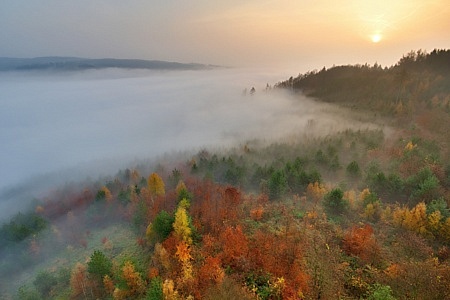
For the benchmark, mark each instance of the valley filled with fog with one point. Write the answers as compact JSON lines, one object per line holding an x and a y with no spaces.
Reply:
{"x":70,"y":125}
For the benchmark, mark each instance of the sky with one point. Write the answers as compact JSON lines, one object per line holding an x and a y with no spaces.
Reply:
{"x":300,"y":35}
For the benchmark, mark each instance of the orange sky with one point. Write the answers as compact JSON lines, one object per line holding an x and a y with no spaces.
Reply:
{"x":300,"y":35}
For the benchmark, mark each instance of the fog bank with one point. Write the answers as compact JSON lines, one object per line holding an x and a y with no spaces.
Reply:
{"x":108,"y":119}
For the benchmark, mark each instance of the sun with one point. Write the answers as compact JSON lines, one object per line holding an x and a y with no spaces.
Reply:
{"x":376,"y":38}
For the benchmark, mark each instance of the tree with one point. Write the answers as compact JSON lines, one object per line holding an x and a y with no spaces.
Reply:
{"x":181,"y":225}
{"x":103,"y":194}
{"x":99,"y":265}
{"x":360,"y":241}
{"x":277,"y":184}
{"x":380,"y":292}
{"x":134,"y":283}
{"x":44,"y":282}
{"x":79,"y":283}
{"x":353,"y":169}
{"x":156,"y":185}
{"x":155,"y":290}
{"x":162,"y":225}
{"x":334,"y":203}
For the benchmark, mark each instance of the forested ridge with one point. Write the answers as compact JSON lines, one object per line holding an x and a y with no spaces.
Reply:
{"x":359,"y":214}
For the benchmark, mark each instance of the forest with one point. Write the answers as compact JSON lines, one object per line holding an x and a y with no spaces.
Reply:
{"x":358,"y":214}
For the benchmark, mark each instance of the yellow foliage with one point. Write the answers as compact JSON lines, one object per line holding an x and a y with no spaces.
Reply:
{"x":169,"y":291}
{"x":315,"y":191}
{"x":350,"y":196}
{"x":119,"y":294}
{"x":386,"y":214}
{"x":184,"y":203}
{"x":108,"y":195}
{"x":434,"y":221}
{"x":398,"y":215}
{"x":415,"y":219}
{"x":410,"y":146}
{"x":278,"y":286}
{"x":372,"y":211}
{"x":312,"y":215}
{"x":156,"y":185}
{"x":180,"y":186}
{"x":445,"y":229}
{"x":161,"y":255}
{"x":364,"y":193}
{"x":181,"y":225}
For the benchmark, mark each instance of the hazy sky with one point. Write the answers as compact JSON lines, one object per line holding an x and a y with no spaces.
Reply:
{"x":300,"y":34}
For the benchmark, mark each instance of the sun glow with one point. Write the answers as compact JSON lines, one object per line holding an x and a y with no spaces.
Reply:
{"x":376,"y":37}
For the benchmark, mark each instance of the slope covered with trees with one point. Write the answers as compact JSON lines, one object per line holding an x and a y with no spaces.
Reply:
{"x":359,"y":214}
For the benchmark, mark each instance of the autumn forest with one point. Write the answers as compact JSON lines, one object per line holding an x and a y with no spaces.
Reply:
{"x":357,"y":214}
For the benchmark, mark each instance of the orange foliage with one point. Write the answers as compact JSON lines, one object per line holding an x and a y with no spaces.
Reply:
{"x":257,"y":213}
{"x":235,"y":246}
{"x":108,"y":284}
{"x":39,"y":209}
{"x":152,"y":273}
{"x":211,"y":271}
{"x":183,"y":252}
{"x":79,"y":282}
{"x":360,"y":241}
{"x":135,"y":284}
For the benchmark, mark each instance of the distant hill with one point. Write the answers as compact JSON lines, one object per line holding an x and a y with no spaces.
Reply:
{"x":418,"y":81}
{"x":76,"y":64}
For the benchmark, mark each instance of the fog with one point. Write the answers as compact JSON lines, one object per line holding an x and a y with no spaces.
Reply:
{"x":70,"y":125}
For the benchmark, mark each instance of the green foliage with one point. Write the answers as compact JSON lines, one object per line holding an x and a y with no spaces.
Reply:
{"x":99,"y":265}
{"x":376,"y":88}
{"x":20,"y":227}
{"x":380,"y":292}
{"x":162,"y":225}
{"x":353,"y":169}
{"x":155,"y":290}
{"x":334,"y":203}
{"x":44,"y":282}
{"x":370,"y":198}
{"x":139,"y":217}
{"x":423,"y":186}
{"x":438,"y":205}
{"x":184,"y":194}
{"x":125,"y":196}
{"x":26,"y":293}
{"x":277,"y":184}
{"x":101,"y":195}
{"x":261,"y":285}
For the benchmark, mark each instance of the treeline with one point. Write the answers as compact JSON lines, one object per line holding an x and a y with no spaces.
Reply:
{"x":419,"y":80}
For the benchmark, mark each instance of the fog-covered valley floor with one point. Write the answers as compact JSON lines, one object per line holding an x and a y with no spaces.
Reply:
{"x":71,"y":125}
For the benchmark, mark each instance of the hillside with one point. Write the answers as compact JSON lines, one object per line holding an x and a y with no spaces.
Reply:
{"x":79,"y":64}
{"x":358,"y":214}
